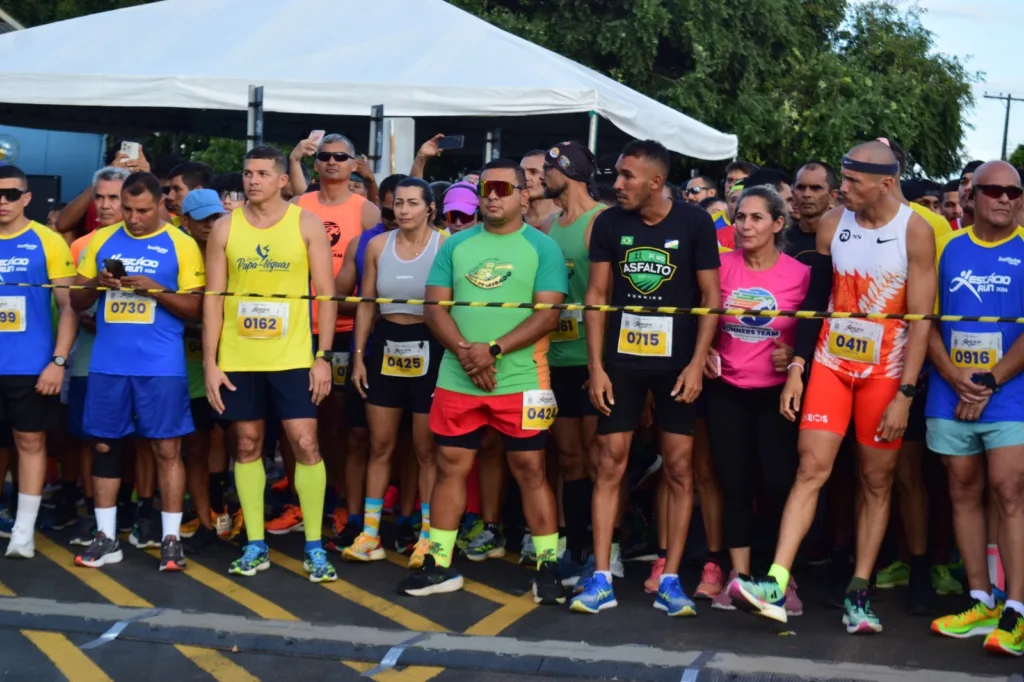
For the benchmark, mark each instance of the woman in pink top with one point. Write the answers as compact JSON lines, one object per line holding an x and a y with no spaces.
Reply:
{"x":747,"y":366}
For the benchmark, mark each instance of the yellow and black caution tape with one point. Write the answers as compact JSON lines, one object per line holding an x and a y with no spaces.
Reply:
{"x":669,"y":310}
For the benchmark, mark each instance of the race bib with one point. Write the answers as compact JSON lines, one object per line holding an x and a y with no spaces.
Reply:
{"x":262,"y":320}
{"x":193,"y":350}
{"x":12,"y":313}
{"x":122,"y":307}
{"x":976,"y":350}
{"x":339,"y":368}
{"x":568,"y":326}
{"x":408,"y":359}
{"x":857,"y":340}
{"x":539,"y":410}
{"x":645,"y":336}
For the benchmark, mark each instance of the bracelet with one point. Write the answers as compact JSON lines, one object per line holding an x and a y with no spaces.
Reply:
{"x":796,"y":364}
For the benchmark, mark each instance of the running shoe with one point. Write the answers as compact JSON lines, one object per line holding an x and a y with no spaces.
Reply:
{"x":190,"y":527}
{"x":100,"y":552}
{"x":203,"y":539}
{"x":488,"y":544}
{"x":366,"y":548}
{"x":921,"y":594}
{"x":569,"y":570}
{"x":547,"y":588}
{"x":64,"y":516}
{"x":237,"y":525}
{"x":172,"y":554}
{"x":419,"y":553}
{"x":896,"y":574}
{"x":615,"y":564}
{"x":794,"y":606}
{"x":280,"y":486}
{"x":430,"y":579}
{"x":979,"y":619}
{"x":638,"y":476}
{"x":221,"y":522}
{"x":762,"y":596}
{"x":318,"y":567}
{"x":712,"y":581}
{"x":347,"y":537}
{"x":1000,"y":595}
{"x":127,"y":515}
{"x":392,"y":498}
{"x":85,"y":532}
{"x":405,"y":539}
{"x":145,"y":534}
{"x":289,"y":521}
{"x":254,"y":558}
{"x":579,"y":581}
{"x":340,"y":519}
{"x":672,"y":600}
{"x":6,"y":523}
{"x":859,"y":618}
{"x":944,"y":583}
{"x":1008,"y":638}
{"x":472,"y":525}
{"x":22,"y":544}
{"x":528,"y":555}
{"x":597,"y":595}
{"x":723,"y":601}
{"x":652,"y":583}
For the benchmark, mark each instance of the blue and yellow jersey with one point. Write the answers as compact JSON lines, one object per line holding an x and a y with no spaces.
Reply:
{"x":34,"y":255}
{"x":721,"y":219}
{"x":135,"y":336}
{"x":979,"y":278}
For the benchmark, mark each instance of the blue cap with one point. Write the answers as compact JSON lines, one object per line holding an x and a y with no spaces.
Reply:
{"x":200,"y":204}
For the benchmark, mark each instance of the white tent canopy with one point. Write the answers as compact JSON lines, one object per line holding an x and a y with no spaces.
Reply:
{"x":420,"y":58}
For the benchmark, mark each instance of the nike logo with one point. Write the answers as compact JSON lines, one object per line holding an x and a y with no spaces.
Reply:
{"x":886,"y":241}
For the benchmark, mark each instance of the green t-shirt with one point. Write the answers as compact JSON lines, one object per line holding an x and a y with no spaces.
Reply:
{"x":509,"y":268}
{"x":569,"y":341}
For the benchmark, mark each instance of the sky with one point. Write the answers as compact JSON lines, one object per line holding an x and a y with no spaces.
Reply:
{"x":985,"y":35}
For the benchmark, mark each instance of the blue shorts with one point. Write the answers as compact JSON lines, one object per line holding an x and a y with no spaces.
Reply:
{"x":951,"y":437}
{"x":76,"y":407}
{"x":150,"y":407}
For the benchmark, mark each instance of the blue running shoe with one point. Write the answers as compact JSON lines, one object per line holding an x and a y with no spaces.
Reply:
{"x":1000,"y":596}
{"x":597,"y":595}
{"x":580,"y":578}
{"x":762,"y":596}
{"x":672,"y":600}
{"x":859,"y":618}
{"x":318,"y":567}
{"x":254,"y":558}
{"x":6,"y":523}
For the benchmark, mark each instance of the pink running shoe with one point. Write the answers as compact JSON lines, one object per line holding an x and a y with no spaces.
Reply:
{"x":657,"y":568}
{"x":723,"y":601}
{"x":794,"y":607}
{"x":712,"y":581}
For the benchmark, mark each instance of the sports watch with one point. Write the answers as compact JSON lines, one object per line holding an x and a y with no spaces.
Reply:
{"x":495,"y":351}
{"x":325,"y":354}
{"x":59,"y":360}
{"x":909,"y":390}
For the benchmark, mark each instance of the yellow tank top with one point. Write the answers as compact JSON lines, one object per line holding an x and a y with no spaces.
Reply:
{"x":260,"y":334}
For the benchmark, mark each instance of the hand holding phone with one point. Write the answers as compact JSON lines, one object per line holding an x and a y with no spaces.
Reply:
{"x":131,"y":150}
{"x":115,"y":267}
{"x":317,"y":135}
{"x":451,"y":142}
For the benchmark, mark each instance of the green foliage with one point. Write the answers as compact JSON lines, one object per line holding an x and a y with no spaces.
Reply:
{"x":1017,"y":157}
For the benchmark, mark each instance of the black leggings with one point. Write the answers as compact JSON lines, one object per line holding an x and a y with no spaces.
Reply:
{"x":749,"y":436}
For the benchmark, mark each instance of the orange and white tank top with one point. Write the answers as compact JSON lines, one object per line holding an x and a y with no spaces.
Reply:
{"x":869,"y":275}
{"x":343,"y":223}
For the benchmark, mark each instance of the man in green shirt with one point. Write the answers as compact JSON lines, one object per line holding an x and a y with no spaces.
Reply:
{"x":494,"y":372}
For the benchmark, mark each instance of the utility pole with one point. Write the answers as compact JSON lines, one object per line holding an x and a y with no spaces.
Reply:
{"x":1009,"y":100}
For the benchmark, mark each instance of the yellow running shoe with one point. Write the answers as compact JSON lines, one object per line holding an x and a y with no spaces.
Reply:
{"x":221,"y":522}
{"x":365,"y":548}
{"x":189,"y":528}
{"x":237,"y":525}
{"x":1008,"y":638}
{"x":977,"y":620}
{"x":419,"y":553}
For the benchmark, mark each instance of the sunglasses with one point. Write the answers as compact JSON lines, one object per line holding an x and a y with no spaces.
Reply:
{"x":1012,"y":192}
{"x":503,"y":188}
{"x":12,"y":194}
{"x":387,"y":213}
{"x":340,"y":157}
{"x":697,"y":190}
{"x":458,"y":217}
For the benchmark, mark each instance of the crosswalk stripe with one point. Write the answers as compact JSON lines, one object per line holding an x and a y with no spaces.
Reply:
{"x":216,"y":665}
{"x":4,"y":592}
{"x":504,"y":617}
{"x":67,"y":657}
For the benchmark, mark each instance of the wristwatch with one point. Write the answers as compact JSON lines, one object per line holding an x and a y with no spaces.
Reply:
{"x":59,"y":360}
{"x":495,"y":350}
{"x":325,"y":354}
{"x":909,"y":390}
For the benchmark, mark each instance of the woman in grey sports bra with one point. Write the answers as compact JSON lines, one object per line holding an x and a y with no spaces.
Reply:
{"x":399,"y":372}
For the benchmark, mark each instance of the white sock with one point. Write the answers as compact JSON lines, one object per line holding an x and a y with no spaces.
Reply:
{"x":171,"y":523}
{"x":667,"y":576}
{"x":984,"y":597}
{"x":106,"y":521}
{"x":607,"y":575}
{"x":1015,"y":605}
{"x":28,"y":511}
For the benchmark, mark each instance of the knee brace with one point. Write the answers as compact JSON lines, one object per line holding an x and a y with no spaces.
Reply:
{"x":107,"y":464}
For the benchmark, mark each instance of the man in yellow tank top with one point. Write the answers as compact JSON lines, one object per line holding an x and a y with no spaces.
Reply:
{"x":258,"y":353}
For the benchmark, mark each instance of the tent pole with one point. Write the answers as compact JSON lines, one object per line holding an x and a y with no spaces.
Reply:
{"x":592,"y":136}
{"x":488,"y":147}
{"x":254,"y":127}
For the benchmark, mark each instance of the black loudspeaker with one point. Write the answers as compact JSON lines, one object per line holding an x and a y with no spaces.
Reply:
{"x":45,"y":193}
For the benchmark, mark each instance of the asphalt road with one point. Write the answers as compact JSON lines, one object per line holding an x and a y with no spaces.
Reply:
{"x":533,"y":643}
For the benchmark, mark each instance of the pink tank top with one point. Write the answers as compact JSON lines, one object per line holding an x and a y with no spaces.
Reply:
{"x":746,"y":343}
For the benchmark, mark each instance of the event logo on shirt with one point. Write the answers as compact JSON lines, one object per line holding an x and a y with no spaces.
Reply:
{"x":570,"y":265}
{"x":159,"y":249}
{"x":647,"y":269}
{"x":750,"y":327}
{"x":263,"y":261}
{"x":29,"y":246}
{"x":135,"y":266}
{"x":15,"y":264}
{"x":490,"y":274}
{"x":980,"y":284}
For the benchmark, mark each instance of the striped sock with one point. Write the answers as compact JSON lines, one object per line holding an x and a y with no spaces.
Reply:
{"x":371,"y":515}
{"x":425,"y":528}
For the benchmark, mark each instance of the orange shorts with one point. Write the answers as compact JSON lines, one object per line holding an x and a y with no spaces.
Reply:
{"x":832,"y":398}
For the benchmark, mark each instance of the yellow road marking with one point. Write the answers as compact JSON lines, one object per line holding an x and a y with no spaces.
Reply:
{"x":68,"y":658}
{"x":211,"y":661}
{"x":479,"y":589}
{"x":504,"y":617}
{"x":393,"y":612}
{"x":4,"y":592}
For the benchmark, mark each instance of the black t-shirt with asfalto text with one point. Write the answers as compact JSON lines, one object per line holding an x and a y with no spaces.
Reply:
{"x":653,"y":265}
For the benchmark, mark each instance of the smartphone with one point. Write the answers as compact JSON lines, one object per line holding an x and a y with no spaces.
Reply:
{"x":317,"y":135}
{"x":451,"y":142}
{"x":131,"y":150}
{"x":716,"y":361}
{"x":115,"y":267}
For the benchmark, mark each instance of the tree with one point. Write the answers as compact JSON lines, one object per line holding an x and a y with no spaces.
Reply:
{"x":1017,"y":157}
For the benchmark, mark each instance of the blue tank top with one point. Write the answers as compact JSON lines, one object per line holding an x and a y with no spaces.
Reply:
{"x":979,"y":278}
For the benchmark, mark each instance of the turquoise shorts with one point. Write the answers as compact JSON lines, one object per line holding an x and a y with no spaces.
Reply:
{"x":951,"y":437}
